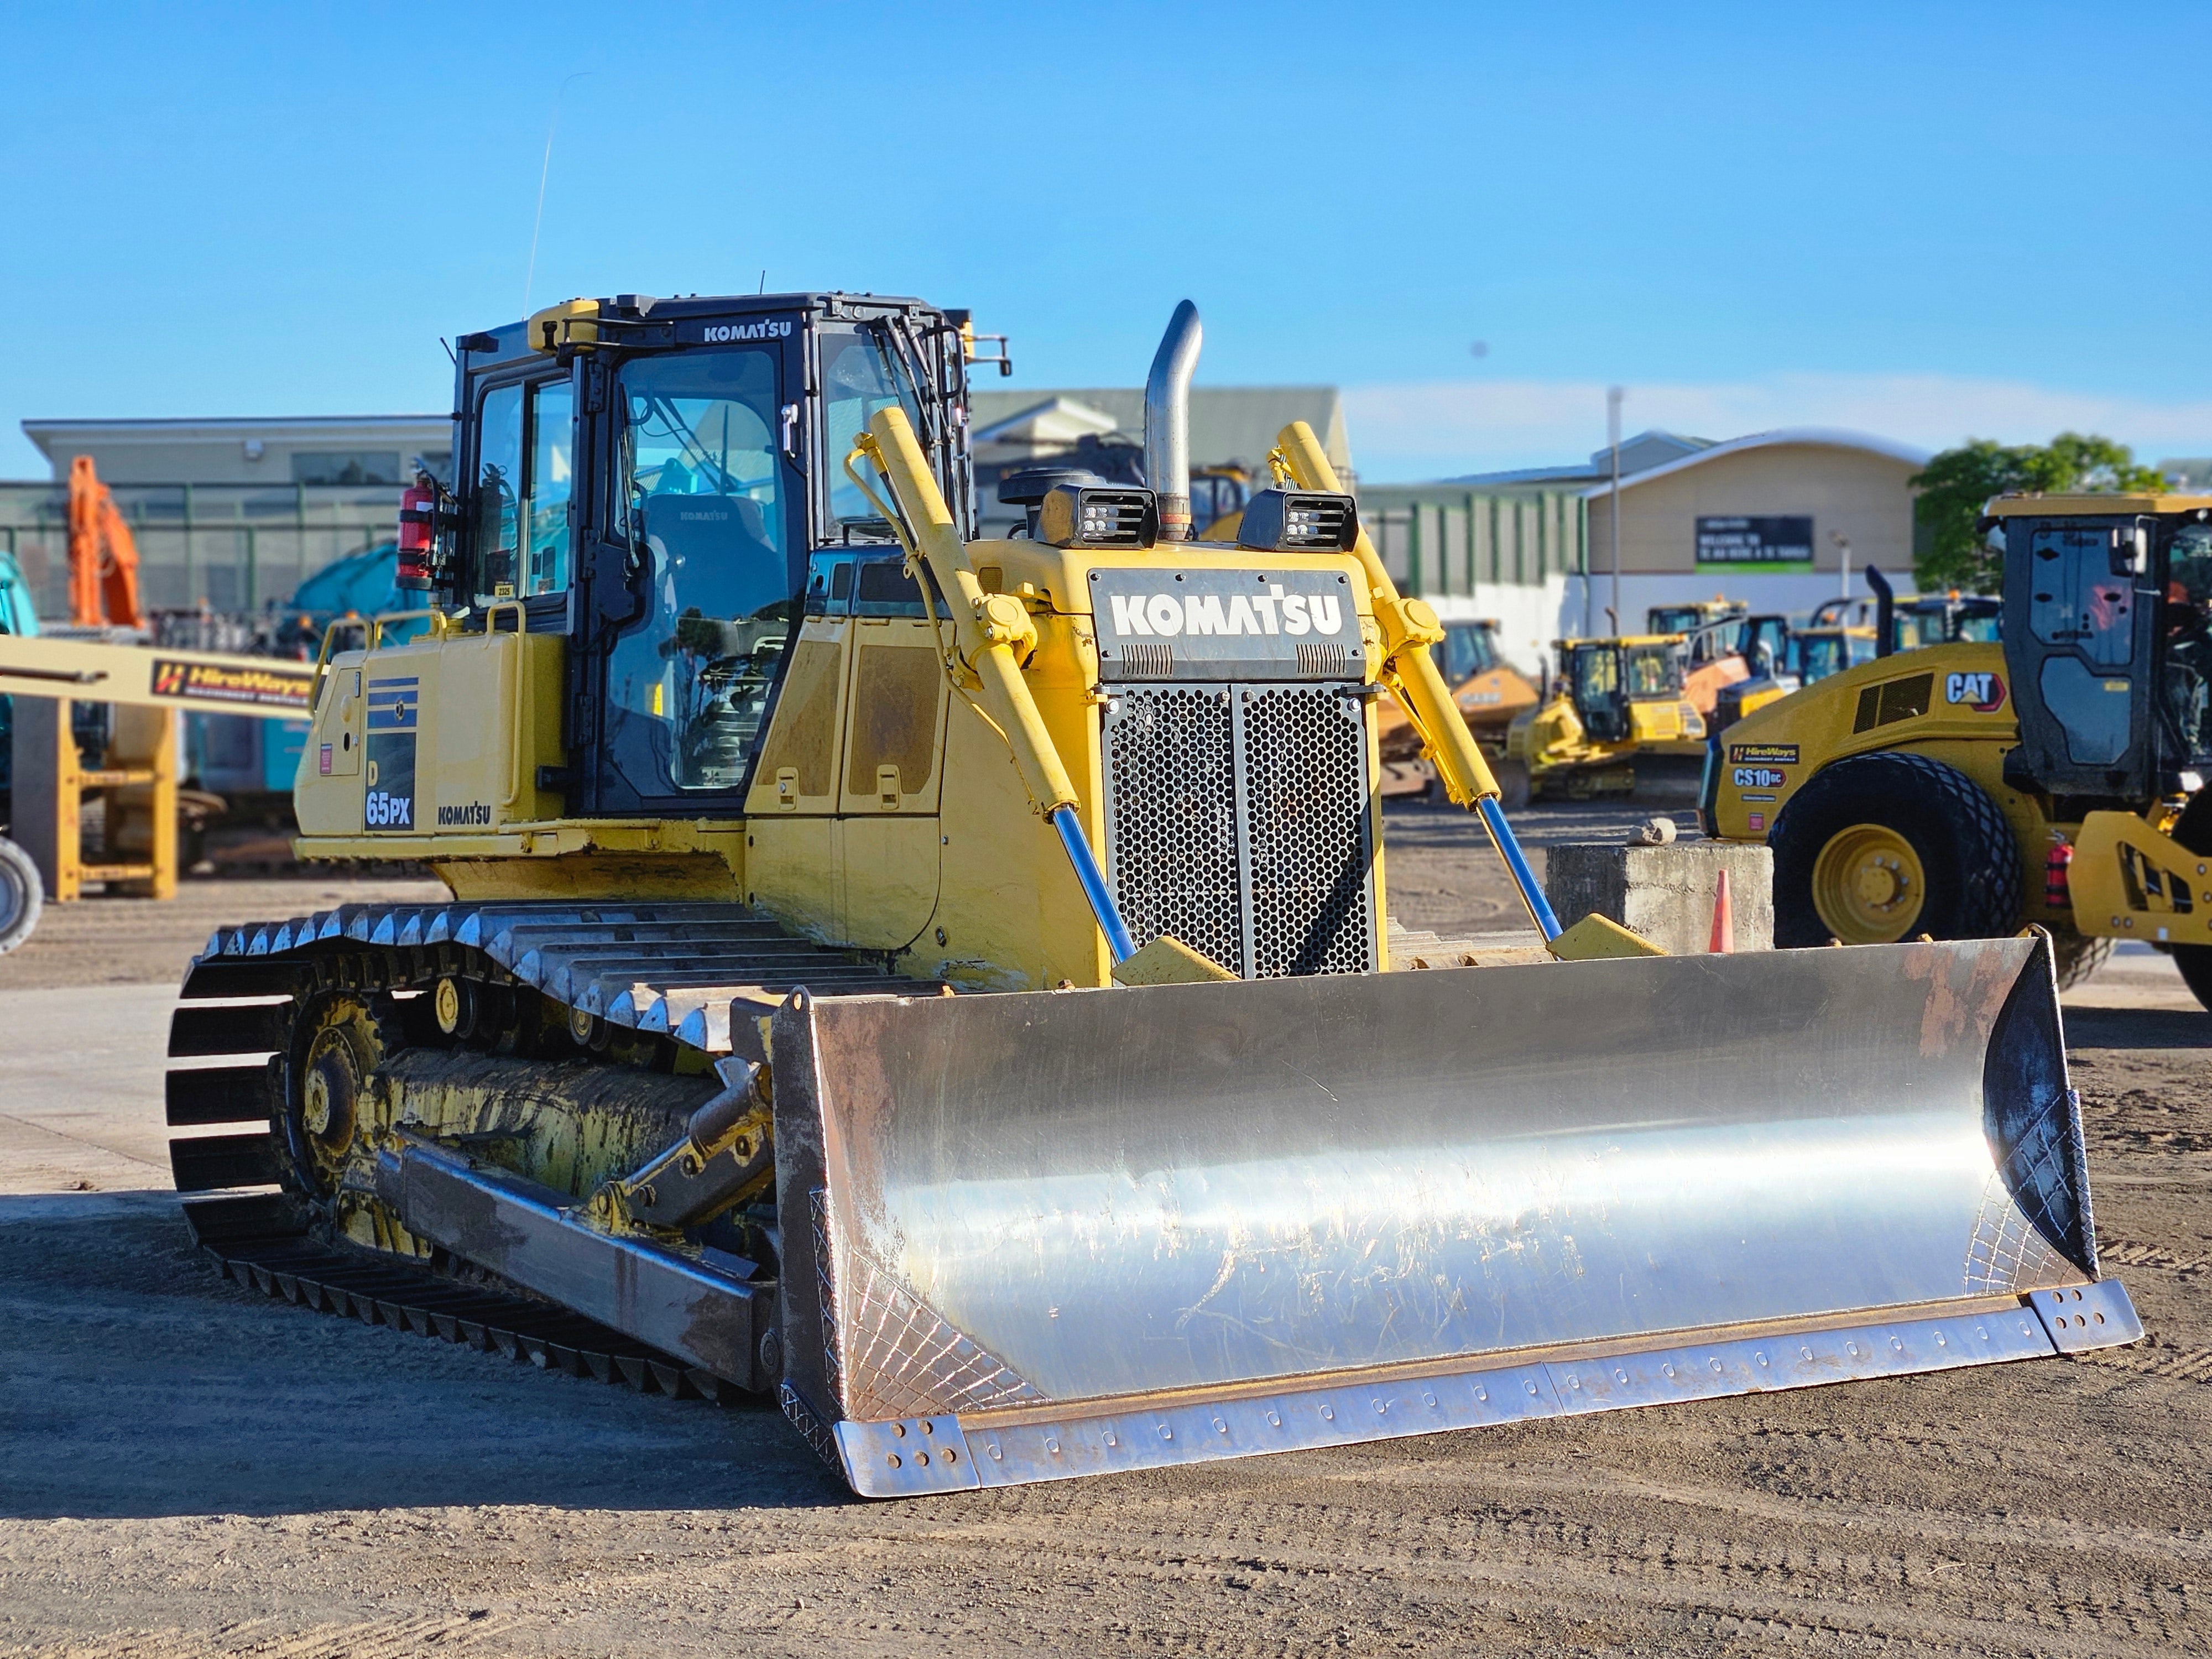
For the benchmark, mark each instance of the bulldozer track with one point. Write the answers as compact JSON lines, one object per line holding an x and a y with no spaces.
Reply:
{"x":257,"y":1242}
{"x":665,"y":972}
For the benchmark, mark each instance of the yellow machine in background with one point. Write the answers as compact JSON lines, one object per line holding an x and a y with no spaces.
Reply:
{"x":945,"y":983}
{"x":1618,"y":705}
{"x":1963,"y":789}
{"x":1716,"y":635}
{"x":135,"y":781}
{"x":1490,"y":694}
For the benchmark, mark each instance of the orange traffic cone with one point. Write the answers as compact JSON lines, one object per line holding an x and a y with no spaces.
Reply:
{"x":1724,"y":942}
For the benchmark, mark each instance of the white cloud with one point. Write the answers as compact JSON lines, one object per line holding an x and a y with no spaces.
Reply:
{"x":1439,"y":428}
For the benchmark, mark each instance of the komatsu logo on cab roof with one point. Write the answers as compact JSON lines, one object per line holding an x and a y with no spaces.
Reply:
{"x":719,"y":333}
{"x":1275,"y":610}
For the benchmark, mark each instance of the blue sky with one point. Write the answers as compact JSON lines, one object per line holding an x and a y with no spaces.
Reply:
{"x":1919,"y":222}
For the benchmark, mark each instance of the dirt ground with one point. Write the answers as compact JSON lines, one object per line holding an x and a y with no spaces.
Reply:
{"x":186,"y":1467}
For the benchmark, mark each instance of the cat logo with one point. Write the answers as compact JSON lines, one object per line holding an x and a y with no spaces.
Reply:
{"x":1983,"y":693}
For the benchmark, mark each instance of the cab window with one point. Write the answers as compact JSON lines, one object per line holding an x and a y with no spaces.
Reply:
{"x":499,"y":491}
{"x":858,"y":377}
{"x":709,"y":529}
{"x":522,"y":532}
{"x":2187,"y":622}
{"x":1466,"y":653}
{"x":552,"y":445}
{"x":1651,"y":672}
{"x":2076,"y":599}
{"x":1597,"y":677}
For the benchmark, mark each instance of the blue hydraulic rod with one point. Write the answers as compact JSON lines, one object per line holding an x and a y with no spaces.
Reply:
{"x":1532,"y":895}
{"x":1094,"y":885}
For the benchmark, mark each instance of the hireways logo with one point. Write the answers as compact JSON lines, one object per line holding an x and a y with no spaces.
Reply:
{"x":1278,"y":610}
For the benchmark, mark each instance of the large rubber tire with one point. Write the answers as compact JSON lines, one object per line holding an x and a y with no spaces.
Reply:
{"x":21,"y":896}
{"x":2194,"y":962}
{"x":2074,"y":957}
{"x":1969,"y":865}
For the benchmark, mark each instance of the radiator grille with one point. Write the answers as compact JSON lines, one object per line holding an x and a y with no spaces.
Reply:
{"x":1271,"y":875}
{"x":1171,"y":818}
{"x":1306,"y":784}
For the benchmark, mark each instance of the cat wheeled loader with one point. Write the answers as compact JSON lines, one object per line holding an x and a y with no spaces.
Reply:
{"x":945,"y":985}
{"x":2054,"y":777}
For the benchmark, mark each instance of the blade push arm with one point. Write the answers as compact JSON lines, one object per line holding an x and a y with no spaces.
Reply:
{"x":1409,"y":629}
{"x":1408,"y":632}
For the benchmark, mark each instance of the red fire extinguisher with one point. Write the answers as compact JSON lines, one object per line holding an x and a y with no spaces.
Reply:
{"x":418,"y":531}
{"x":2055,"y":865}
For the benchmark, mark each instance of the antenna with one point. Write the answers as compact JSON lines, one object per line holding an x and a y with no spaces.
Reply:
{"x":762,"y":288}
{"x":545,"y":171}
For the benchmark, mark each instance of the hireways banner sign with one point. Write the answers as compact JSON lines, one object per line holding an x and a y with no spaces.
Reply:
{"x":1758,"y":543}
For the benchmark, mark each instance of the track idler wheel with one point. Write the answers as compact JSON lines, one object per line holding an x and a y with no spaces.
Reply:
{"x":339,"y":1041}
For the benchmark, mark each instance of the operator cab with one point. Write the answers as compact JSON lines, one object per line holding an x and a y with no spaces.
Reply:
{"x":1604,"y":677}
{"x":653,"y":479}
{"x":1948,"y":619}
{"x":1817,"y":653}
{"x":2108,"y":636}
{"x":1469,"y":648}
{"x":1716,"y":627}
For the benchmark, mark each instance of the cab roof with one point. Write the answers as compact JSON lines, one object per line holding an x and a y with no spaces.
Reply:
{"x":2086,"y":506}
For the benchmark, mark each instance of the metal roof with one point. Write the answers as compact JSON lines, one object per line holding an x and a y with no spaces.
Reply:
{"x":1807,"y":436}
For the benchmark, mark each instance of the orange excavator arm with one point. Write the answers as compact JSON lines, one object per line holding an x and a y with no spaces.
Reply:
{"x":103,"y":558}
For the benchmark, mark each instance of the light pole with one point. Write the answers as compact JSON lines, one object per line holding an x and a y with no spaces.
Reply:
{"x":1844,"y":552}
{"x":1612,"y":397}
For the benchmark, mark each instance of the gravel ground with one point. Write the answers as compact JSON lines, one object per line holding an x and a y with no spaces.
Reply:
{"x":188,"y":1468}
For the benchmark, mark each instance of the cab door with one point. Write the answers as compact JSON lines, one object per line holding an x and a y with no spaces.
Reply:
{"x":698,"y":530}
{"x":2080,"y":612}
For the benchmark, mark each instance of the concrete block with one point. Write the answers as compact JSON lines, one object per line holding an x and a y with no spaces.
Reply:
{"x":1666,"y":893}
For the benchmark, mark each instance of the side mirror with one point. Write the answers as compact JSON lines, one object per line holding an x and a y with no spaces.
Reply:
{"x":2131,"y":551}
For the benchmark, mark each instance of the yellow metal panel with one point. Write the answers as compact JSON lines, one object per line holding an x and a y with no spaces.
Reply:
{"x":2129,"y":882}
{"x":1010,"y":912}
{"x":487,"y":715}
{"x":1768,"y":754}
{"x":888,"y":866}
{"x":1595,"y":938}
{"x":895,"y":719}
{"x":791,"y":873}
{"x":694,"y":876}
{"x":491,"y":712}
{"x":1168,"y":961}
{"x":798,"y":768}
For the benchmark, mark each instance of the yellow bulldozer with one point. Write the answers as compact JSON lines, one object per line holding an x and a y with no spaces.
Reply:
{"x":946,"y":984}
{"x":1971,"y":785}
{"x":1618,"y":718}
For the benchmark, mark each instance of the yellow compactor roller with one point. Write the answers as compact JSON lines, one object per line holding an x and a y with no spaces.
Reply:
{"x":946,"y":984}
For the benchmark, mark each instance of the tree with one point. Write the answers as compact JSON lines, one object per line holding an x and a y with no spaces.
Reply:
{"x":1955,"y":484}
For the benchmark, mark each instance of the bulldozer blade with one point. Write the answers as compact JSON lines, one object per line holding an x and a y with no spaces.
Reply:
{"x":1032,"y":1235}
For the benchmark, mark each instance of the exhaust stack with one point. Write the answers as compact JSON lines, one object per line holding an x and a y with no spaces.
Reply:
{"x":1167,"y":421}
